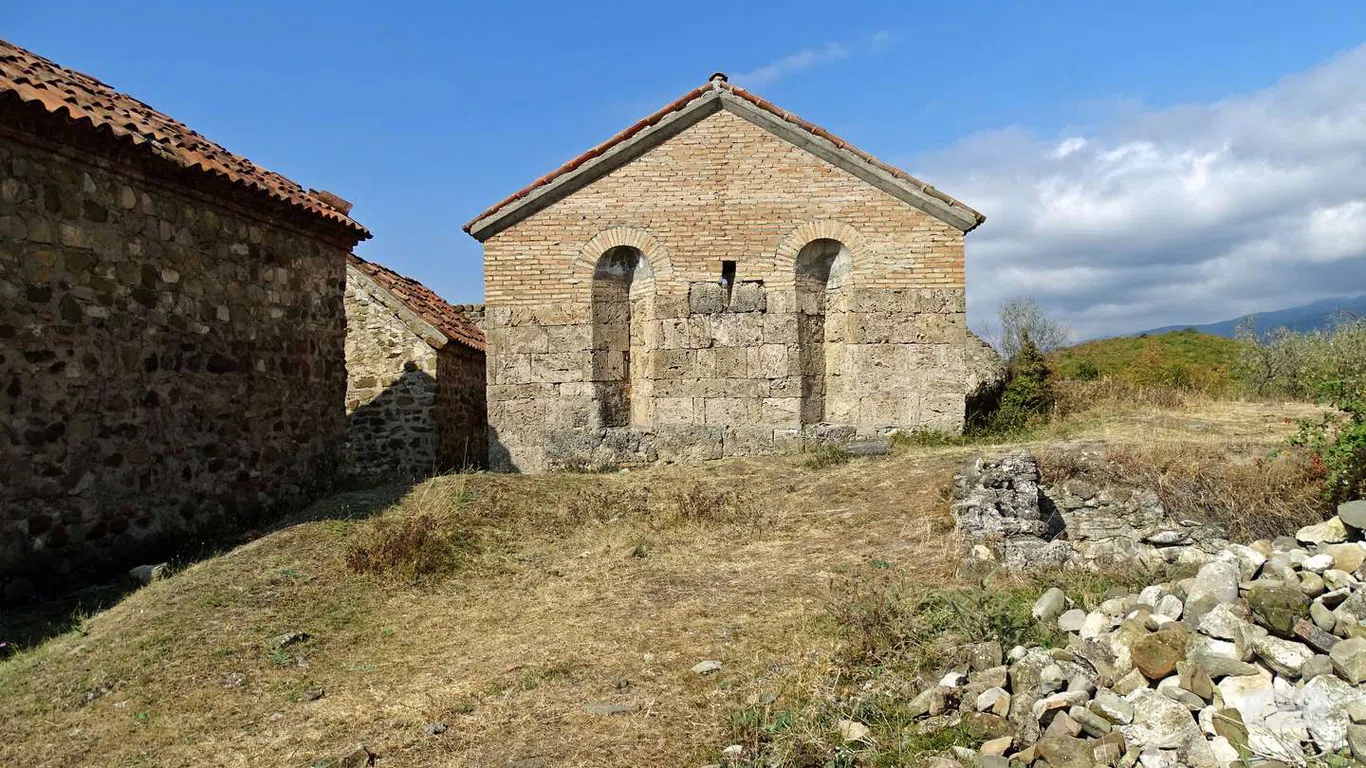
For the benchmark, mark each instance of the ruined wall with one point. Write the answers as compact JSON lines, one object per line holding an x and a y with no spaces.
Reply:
{"x":167,"y":362}
{"x":391,"y":389}
{"x":722,"y":365}
{"x":463,"y":436}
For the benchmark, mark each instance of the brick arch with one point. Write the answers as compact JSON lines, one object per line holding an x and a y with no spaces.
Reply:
{"x":784,"y":262}
{"x":661,"y":267}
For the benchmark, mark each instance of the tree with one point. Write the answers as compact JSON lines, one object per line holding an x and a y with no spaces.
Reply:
{"x":1029,"y":394}
{"x":1023,"y":318}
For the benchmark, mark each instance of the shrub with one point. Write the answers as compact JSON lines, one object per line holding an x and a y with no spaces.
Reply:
{"x":409,"y":545}
{"x":1339,"y":441}
{"x":826,"y":454}
{"x":1029,"y":393}
{"x":1087,"y":371}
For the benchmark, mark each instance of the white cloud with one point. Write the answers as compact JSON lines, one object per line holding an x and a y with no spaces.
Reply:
{"x":881,"y":39}
{"x":1182,"y":215}
{"x":792,"y":63}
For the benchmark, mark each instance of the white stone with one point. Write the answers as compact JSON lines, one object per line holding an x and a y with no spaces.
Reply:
{"x":1330,"y":531}
{"x":1317,"y":563}
{"x":1252,"y":695}
{"x":706,"y":667}
{"x":1327,"y":702}
{"x":852,"y":730}
{"x":1096,"y":624}
{"x":1284,"y":657}
{"x":1223,"y":751}
{"x":1170,"y":606}
{"x":1072,"y":620}
{"x":1159,"y":722}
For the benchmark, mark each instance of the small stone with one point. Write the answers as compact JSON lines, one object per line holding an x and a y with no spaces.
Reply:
{"x":1356,"y":739}
{"x":1325,"y":701}
{"x":1112,"y":707}
{"x":1065,"y":751}
{"x":1322,"y":615}
{"x":1049,"y":605}
{"x":852,"y":730}
{"x":953,"y":680}
{"x":1330,"y":531}
{"x":1224,"y":751}
{"x":1349,"y":659}
{"x":1277,"y":605}
{"x":313,"y":694}
{"x":996,"y":747}
{"x":1317,"y":563}
{"x":1133,"y":681}
{"x":1316,"y":638}
{"x":994,"y":700}
{"x":1195,"y":679}
{"x":1170,"y":606}
{"x":1090,"y":722}
{"x":1284,"y":657}
{"x":146,"y":574}
{"x":1159,"y":722}
{"x":1157,"y":654}
{"x":1057,"y":701}
{"x":288,"y":639}
{"x":610,"y":709}
{"x":1252,"y":695}
{"x":1319,"y":665}
{"x":1353,"y":513}
{"x":706,"y":667}
{"x":1072,"y":620}
{"x":434,"y":729}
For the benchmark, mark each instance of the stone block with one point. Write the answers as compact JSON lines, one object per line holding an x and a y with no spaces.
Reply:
{"x":780,"y":410}
{"x":557,"y":367}
{"x":728,"y":410}
{"x":688,"y":443}
{"x":706,"y":298}
{"x":780,"y":329}
{"x":748,"y":441}
{"x":668,"y":306}
{"x":774,"y":361}
{"x":509,"y":369}
{"x":565,"y":338}
{"x":673,"y":364}
{"x":748,"y":296}
{"x":742,"y":330}
{"x":730,"y":362}
{"x":675,"y":410}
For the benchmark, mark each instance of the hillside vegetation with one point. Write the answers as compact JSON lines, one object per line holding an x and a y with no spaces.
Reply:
{"x":1185,"y":359}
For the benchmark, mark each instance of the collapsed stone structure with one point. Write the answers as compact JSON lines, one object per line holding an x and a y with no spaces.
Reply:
{"x":415,"y":378}
{"x":170,"y":328}
{"x":722,"y":278}
{"x":1257,"y":657}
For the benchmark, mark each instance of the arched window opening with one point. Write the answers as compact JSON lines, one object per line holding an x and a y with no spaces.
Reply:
{"x":822,"y":267}
{"x":622,"y":289}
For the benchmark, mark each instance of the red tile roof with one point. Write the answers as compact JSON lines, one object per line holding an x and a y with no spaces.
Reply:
{"x":87,"y":101}
{"x":718,"y":83}
{"x":423,"y":302}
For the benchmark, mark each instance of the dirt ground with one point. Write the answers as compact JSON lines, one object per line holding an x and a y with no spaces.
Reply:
{"x":508,"y":651}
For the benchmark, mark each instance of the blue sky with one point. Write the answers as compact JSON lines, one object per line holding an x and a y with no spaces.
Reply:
{"x":424,"y":113}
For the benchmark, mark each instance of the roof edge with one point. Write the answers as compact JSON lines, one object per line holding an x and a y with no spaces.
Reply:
{"x":424,"y":329}
{"x":691,"y":108}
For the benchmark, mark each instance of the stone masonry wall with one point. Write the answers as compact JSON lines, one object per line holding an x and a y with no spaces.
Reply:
{"x":391,"y":389}
{"x":167,"y":363}
{"x":719,"y":368}
{"x":463,"y":436}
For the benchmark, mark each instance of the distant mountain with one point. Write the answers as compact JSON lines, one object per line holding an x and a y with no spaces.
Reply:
{"x":1307,"y":317}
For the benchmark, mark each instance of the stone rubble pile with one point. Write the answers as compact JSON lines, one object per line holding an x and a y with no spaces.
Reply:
{"x":1259,"y":659}
{"x":1008,"y":517}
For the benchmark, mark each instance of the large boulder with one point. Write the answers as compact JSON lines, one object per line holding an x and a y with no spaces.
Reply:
{"x":987,"y":374}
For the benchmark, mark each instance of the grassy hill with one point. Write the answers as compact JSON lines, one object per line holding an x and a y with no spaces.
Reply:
{"x":1184,"y":358}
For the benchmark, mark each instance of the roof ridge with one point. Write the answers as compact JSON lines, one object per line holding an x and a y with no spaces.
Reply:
{"x":446,"y":318}
{"x":719,"y":85}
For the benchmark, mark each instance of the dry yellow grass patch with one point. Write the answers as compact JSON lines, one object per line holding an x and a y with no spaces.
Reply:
{"x":561,"y":591}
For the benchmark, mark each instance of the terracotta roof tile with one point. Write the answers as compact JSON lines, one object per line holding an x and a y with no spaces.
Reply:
{"x":718,"y":82}
{"x":87,"y":101}
{"x":423,"y":302}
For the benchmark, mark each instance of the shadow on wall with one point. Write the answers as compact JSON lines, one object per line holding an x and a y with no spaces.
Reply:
{"x":397,"y":436}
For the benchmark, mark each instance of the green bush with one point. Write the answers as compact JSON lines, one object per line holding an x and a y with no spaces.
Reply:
{"x":1087,"y":371}
{"x":1029,"y":394}
{"x":1339,"y":440}
{"x":826,"y":455}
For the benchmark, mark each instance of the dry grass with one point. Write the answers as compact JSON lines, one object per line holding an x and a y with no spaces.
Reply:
{"x":550,"y":592}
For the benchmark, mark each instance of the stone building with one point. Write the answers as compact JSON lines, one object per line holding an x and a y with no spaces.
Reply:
{"x":415,"y":378}
{"x":171,"y":329}
{"x":721,"y":278}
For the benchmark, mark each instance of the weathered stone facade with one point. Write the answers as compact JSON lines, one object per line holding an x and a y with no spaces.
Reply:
{"x":415,"y":386}
{"x":170,"y":351}
{"x":725,"y":291}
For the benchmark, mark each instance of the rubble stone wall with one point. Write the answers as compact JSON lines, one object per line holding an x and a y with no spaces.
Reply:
{"x":168,"y":361}
{"x":717,"y":369}
{"x":463,"y":435}
{"x":391,"y":388}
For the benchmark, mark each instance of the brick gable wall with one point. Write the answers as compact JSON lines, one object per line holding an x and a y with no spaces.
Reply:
{"x":722,"y":376}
